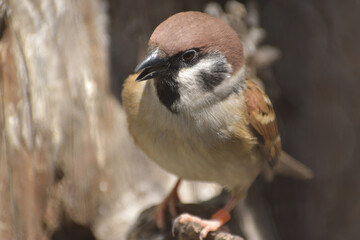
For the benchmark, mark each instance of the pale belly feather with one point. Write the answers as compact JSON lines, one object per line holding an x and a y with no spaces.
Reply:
{"x":193,"y":151}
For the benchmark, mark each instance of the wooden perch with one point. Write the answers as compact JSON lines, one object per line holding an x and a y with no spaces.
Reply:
{"x":191,"y":231}
{"x":145,"y":227}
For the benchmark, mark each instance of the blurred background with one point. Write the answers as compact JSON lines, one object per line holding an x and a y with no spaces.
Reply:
{"x":69,"y":169}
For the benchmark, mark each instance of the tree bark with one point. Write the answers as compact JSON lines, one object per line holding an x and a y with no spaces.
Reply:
{"x":60,"y":127}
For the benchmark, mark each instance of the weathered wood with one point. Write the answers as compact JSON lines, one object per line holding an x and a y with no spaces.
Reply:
{"x":60,"y":127}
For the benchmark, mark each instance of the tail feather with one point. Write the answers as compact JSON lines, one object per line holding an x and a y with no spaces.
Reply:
{"x":290,"y":167}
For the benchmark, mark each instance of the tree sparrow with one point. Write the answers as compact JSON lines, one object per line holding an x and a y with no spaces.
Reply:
{"x":199,"y":117}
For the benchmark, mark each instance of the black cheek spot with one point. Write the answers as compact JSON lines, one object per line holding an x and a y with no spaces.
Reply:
{"x":168,"y":93}
{"x":209,"y":80}
{"x":213,"y":78}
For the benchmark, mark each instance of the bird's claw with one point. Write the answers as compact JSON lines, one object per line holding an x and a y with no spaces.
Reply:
{"x":207,"y":225}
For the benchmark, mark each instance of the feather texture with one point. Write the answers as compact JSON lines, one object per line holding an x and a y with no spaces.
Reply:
{"x":262,"y":122}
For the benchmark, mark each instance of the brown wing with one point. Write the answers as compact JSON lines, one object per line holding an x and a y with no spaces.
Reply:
{"x":262,"y":121}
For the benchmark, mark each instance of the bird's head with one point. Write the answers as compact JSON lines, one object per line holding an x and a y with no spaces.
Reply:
{"x":194,"y":60}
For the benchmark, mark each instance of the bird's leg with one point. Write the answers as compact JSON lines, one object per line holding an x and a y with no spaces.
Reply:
{"x":217,"y":220}
{"x":169,"y":202}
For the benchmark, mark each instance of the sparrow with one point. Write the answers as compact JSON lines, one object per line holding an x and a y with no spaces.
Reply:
{"x":191,"y":108}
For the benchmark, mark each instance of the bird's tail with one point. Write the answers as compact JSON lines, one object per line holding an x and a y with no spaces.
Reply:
{"x":290,"y":167}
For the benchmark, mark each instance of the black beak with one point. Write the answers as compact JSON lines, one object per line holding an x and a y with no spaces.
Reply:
{"x":154,"y":65}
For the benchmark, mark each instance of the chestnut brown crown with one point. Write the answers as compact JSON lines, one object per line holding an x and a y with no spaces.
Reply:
{"x":196,"y":30}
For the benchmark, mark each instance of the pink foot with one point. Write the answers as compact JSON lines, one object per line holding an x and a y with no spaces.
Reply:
{"x":208,"y":225}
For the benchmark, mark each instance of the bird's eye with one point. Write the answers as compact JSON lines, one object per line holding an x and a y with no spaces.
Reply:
{"x":189,"y":55}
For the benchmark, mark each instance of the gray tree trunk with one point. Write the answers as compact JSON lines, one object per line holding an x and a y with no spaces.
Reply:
{"x":61,"y":130}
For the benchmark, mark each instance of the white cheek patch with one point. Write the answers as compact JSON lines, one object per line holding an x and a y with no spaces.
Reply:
{"x":191,"y":80}
{"x":188,"y":76}
{"x":206,"y":82}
